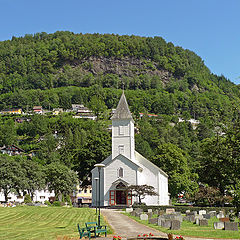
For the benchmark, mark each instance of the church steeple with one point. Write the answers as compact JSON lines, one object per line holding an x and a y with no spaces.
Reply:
{"x":123,"y":130}
{"x":122,"y":110}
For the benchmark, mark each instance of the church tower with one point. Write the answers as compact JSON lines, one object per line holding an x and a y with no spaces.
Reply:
{"x":123,"y":131}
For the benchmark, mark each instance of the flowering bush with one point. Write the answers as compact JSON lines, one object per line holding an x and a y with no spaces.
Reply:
{"x":145,"y":235}
{"x":117,"y":238}
{"x":170,"y":237}
{"x":179,"y":238}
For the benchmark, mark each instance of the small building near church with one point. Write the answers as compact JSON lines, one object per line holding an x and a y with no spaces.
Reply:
{"x":84,"y":195}
{"x":125,"y":167}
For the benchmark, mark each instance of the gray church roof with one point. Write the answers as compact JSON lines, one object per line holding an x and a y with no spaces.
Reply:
{"x":122,"y":111}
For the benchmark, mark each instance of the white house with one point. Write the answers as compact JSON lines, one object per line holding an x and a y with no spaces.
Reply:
{"x":39,"y":196}
{"x":125,"y":167}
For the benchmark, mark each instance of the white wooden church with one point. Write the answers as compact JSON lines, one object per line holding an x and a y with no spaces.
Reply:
{"x":125,"y":167}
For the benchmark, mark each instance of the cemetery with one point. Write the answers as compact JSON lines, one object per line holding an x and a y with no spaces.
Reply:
{"x":201,"y":223}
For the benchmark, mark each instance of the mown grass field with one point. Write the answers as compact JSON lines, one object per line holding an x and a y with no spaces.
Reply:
{"x":43,"y":222}
{"x":193,"y":230}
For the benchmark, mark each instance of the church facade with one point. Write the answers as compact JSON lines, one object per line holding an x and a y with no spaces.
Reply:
{"x":125,"y":167}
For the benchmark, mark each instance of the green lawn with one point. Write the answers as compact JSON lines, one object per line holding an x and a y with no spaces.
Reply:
{"x":193,"y":230}
{"x":43,"y":222}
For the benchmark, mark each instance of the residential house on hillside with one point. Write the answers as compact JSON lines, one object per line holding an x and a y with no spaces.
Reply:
{"x":148,"y":114}
{"x":38,"y":109}
{"x":83,"y":112}
{"x":57,"y":111}
{"x":12,"y":111}
{"x":11,"y":150}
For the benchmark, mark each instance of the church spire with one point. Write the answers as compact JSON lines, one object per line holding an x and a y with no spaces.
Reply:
{"x":123,"y":131}
{"x":122,"y":110}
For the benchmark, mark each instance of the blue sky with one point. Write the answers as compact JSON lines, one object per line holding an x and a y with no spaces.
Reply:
{"x":210,"y":28}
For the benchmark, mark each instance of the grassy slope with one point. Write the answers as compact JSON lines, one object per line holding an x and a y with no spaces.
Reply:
{"x":43,"y":223}
{"x":193,"y":230}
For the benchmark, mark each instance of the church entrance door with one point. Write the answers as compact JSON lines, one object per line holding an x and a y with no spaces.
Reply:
{"x":121,"y":197}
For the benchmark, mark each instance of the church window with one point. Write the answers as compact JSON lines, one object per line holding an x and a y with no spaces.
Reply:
{"x":121,"y":149}
{"x":120,"y":186}
{"x":121,"y":130}
{"x":120,"y":172}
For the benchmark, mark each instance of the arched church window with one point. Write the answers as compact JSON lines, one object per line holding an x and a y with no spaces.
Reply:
{"x":120,"y":172}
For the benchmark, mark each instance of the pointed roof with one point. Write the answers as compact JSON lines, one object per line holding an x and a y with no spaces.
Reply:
{"x":122,"y":111}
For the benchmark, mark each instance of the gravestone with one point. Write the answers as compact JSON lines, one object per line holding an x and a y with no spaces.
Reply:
{"x":201,"y":212}
{"x":193,"y":213}
{"x":225,"y":219}
{"x":149,"y":214}
{"x":213,"y":213}
{"x":203,"y":222}
{"x":232,"y":226}
{"x":178,"y":213}
{"x":191,"y":218}
{"x":160,"y":219}
{"x":137,"y":214}
{"x":220,"y":215}
{"x":143,"y":216}
{"x":153,"y":221}
{"x":168,"y":216}
{"x":161,"y":212}
{"x":133,"y":213}
{"x":175,"y":225}
{"x":166,"y":223}
{"x":197,"y":221}
{"x":218,"y":225}
{"x":207,"y":216}
{"x":138,"y":210}
{"x":129,"y":210}
{"x":179,"y":218}
{"x":149,"y":210}
{"x":170,"y":210}
{"x":156,"y":212}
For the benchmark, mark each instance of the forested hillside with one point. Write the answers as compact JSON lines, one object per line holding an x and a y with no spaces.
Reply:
{"x":60,"y":69}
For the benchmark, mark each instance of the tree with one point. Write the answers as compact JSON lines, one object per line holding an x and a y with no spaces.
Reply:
{"x":12,"y":176}
{"x":174,"y":162}
{"x":61,"y":179}
{"x":141,"y":191}
{"x":34,"y":175}
{"x":207,"y":196}
{"x":8,"y":133}
{"x":98,"y":106}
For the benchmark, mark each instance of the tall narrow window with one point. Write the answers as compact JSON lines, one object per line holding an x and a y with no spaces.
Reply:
{"x":121,"y":130}
{"x":120,"y":172}
{"x":121,"y":149}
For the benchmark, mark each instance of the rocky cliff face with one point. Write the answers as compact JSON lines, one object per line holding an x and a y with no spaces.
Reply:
{"x":129,"y":67}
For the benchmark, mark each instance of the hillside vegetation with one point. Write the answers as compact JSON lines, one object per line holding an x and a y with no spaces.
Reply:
{"x":172,"y":76}
{"x":59,"y":69}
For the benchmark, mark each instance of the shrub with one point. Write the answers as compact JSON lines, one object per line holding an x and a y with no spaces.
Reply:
{"x":56,"y":204}
{"x":47,"y":203}
{"x":27,"y":199}
{"x":68,"y":200}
